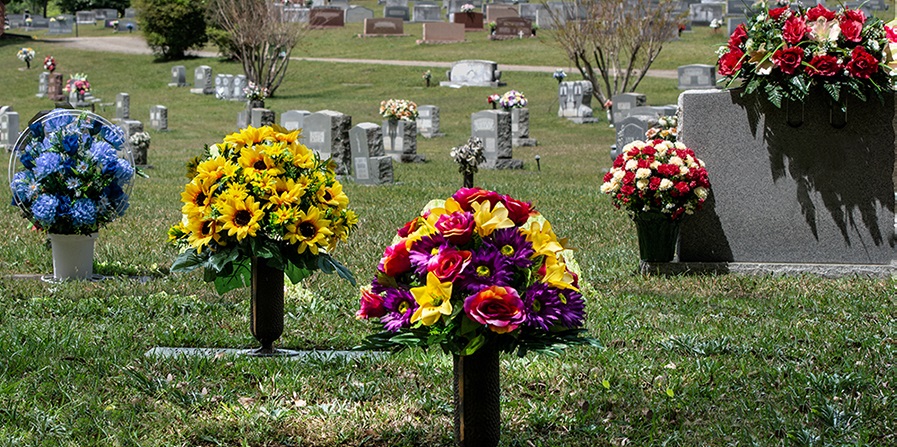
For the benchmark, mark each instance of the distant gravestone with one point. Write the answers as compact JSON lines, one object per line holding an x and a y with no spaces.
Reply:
{"x":472,"y":21}
{"x":493,"y":127}
{"x":61,"y":25}
{"x":426,"y":13}
{"x":43,"y":84}
{"x":739,"y":7}
{"x":625,"y":102}
{"x":494,"y":12}
{"x":341,"y":4}
{"x":536,"y":12}
{"x":122,"y":106}
{"x":202,"y":81}
{"x":9,"y":129}
{"x":159,"y":118}
{"x":384,"y":27}
{"x":696,"y":76}
{"x":512,"y":28}
{"x":243,"y":118}
{"x":397,"y":3}
{"x":130,"y":12}
{"x":294,"y":119}
{"x":106,"y":14}
{"x":130,"y":127}
{"x":703,"y":13}
{"x":397,"y":12}
{"x":326,"y":18}
{"x":474,"y":73}
{"x":237,"y":93}
{"x":454,"y":6}
{"x":295,"y":14}
{"x":178,"y":76}
{"x":327,"y":132}
{"x":86,"y":18}
{"x":629,"y":129}
{"x":400,"y":141}
{"x":575,"y":99}
{"x":370,"y":164}
{"x":260,"y":117}
{"x":357,"y":14}
{"x":520,"y":128}
{"x":442,"y":32}
{"x":428,"y":121}
{"x":54,"y":87}
{"x":224,"y":86}
{"x":733,"y":22}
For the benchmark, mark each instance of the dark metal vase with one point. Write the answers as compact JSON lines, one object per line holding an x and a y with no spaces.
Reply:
{"x":267,"y":306}
{"x":477,"y":399}
{"x":468,"y":179}
{"x":658,"y":236}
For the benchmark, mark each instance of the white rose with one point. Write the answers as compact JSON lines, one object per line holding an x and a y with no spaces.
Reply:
{"x":643,"y":173}
{"x":631,"y":165}
{"x":701,"y":192}
{"x":618,"y":175}
{"x":642,"y":184}
{"x":607,"y":187}
{"x":654,"y":164}
{"x":676,"y":161}
{"x":665,"y":184}
{"x":683,"y":170}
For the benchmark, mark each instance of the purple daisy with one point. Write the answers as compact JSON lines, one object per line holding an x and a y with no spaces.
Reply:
{"x":487,"y":268}
{"x":513,"y":246}
{"x":422,"y":251}
{"x":572,"y":310}
{"x":400,"y":305}
{"x":543,"y":306}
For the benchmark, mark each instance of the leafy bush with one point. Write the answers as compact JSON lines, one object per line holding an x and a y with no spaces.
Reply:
{"x":171,"y":27}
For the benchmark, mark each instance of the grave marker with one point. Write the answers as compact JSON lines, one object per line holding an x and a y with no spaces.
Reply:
{"x":400,"y":141}
{"x":474,"y":73}
{"x":202,"y":81}
{"x":122,"y":106}
{"x":696,"y":76}
{"x":370,"y":164}
{"x":42,"y":84}
{"x":428,"y":121}
{"x":512,"y":28}
{"x":327,"y":132}
{"x":625,"y":102}
{"x":442,"y":32}
{"x":520,"y":128}
{"x":472,"y":21}
{"x":237,"y":93}
{"x":704,"y":13}
{"x":294,"y":119}
{"x":426,"y":13}
{"x":326,"y":18}
{"x":575,"y":99}
{"x":178,"y":76}
{"x":294,"y":14}
{"x":384,"y":27}
{"x":86,"y":18}
{"x":493,"y":127}
{"x":494,"y":12}
{"x":60,"y":25}
{"x":357,"y":14}
{"x":159,"y":118}
{"x":9,"y":129}
{"x":54,"y":87}
{"x":397,"y":12}
{"x":260,"y":117}
{"x":629,"y":129}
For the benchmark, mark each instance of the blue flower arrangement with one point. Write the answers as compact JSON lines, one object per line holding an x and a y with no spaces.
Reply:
{"x":71,"y":172}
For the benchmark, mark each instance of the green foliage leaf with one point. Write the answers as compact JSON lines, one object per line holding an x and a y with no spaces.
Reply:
{"x":774,"y":93}
{"x":834,"y":90}
{"x":187,"y":261}
{"x":240,"y":277}
{"x":474,"y":344}
{"x":296,"y":273}
{"x":329,"y":265}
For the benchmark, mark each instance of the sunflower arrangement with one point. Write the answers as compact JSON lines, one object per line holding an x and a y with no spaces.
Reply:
{"x":261,"y":193}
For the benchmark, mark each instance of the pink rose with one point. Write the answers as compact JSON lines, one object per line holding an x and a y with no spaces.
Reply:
{"x":498,"y":308}
{"x":371,"y":305}
{"x":825,"y":65}
{"x":456,"y":228}
{"x":518,"y":211}
{"x":788,"y":59}
{"x":396,"y":260}
{"x":448,"y":263}
{"x":467,"y":196}
{"x":794,"y":29}
{"x":862,"y":64}
{"x":891,"y":33}
{"x":730,"y":63}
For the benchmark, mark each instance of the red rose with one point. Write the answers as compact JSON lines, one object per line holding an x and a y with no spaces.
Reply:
{"x":649,"y":151}
{"x":862,"y":64}
{"x":449,"y":263}
{"x":457,"y":228}
{"x":629,"y":178}
{"x":371,"y":305}
{"x":682,"y":187}
{"x":396,"y":260}
{"x":619,"y":161}
{"x":854,"y":14}
{"x":654,"y":183}
{"x":466,"y":196}
{"x":730,"y":63}
{"x":794,"y":29}
{"x":738,"y":36}
{"x":668,"y":170}
{"x":608,"y":176}
{"x":851,"y":30}
{"x":496,"y":307}
{"x":645,"y":163}
{"x":824,"y":66}
{"x":819,"y":11}
{"x":518,"y":211}
{"x":627,"y":190}
{"x":788,"y":59}
{"x":776,"y":13}
{"x":633,"y":152}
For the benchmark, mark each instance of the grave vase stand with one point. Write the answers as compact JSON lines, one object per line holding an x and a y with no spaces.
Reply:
{"x":392,"y":129}
{"x":255,"y":104}
{"x":468,"y":180}
{"x":266,"y":306}
{"x":658,"y":236}
{"x":477,"y":393}
{"x":72,"y":255}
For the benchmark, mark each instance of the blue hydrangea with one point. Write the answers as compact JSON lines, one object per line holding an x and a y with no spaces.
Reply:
{"x":56,"y":120}
{"x":37,"y":130}
{"x":84,"y":212}
{"x":103,"y":153}
{"x":24,"y":187}
{"x":123,"y":171}
{"x":70,"y":143}
{"x":113,"y":136}
{"x":44,"y":209}
{"x":46,"y":164}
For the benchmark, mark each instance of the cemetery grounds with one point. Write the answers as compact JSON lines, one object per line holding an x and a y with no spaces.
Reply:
{"x":696,"y":360}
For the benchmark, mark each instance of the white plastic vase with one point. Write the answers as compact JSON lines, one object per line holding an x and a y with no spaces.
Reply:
{"x":72,"y":255}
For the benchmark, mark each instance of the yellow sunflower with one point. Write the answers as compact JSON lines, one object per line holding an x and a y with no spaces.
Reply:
{"x":310,"y":231}
{"x":255,"y":161}
{"x":234,"y":191}
{"x":197,"y":199}
{"x":213,"y":169}
{"x":202,"y":232}
{"x":241,"y":217}
{"x":303,"y":157}
{"x":333,"y":196}
{"x":287,"y":192}
{"x":249,"y":136}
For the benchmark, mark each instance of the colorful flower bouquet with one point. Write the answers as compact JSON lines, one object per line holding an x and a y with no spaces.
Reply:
{"x":140,"y":141}
{"x":559,"y":75}
{"x":25,"y":55}
{"x":469,"y":156}
{"x":478,"y":268}
{"x":512,"y":99}
{"x":783,"y":52}
{"x":255,"y":92}
{"x":659,"y":176}
{"x":493,"y":99}
{"x":50,"y":64}
{"x":666,"y":128}
{"x":77,"y":83}
{"x":398,"y":110}
{"x":71,"y":173}
{"x":467,"y":7}
{"x":261,"y":193}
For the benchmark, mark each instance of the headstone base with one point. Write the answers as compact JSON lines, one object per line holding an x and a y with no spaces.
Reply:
{"x":201,"y":91}
{"x":768,"y":268}
{"x":579,"y":120}
{"x":430,"y":135}
{"x":482,"y":84}
{"x":502,"y":164}
{"x":162,"y":352}
{"x":517,"y":142}
{"x":407,"y":158}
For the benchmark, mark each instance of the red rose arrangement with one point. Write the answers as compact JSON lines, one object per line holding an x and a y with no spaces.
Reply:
{"x":479,"y":268}
{"x":784,"y":51}
{"x":659,"y":176}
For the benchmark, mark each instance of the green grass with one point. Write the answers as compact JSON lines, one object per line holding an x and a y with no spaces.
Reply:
{"x":707,"y":360}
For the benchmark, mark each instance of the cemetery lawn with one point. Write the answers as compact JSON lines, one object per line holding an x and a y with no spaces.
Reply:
{"x":687,"y":361}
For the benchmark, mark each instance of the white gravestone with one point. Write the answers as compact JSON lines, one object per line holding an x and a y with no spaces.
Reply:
{"x":202,"y":81}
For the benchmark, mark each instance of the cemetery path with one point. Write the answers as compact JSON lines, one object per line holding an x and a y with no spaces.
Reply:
{"x":137,"y":45}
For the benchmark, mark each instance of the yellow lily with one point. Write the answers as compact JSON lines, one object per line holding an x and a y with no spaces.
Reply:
{"x":544,"y":241}
{"x":489,"y":219}
{"x":434,"y":300}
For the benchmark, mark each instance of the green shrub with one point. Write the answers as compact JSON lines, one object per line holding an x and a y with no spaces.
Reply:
{"x":171,"y":27}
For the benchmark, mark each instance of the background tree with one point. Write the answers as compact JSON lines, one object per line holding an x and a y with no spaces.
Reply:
{"x":260,"y":38}
{"x":614,"y":42}
{"x":35,"y":6}
{"x":171,"y":27}
{"x":72,"y":6}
